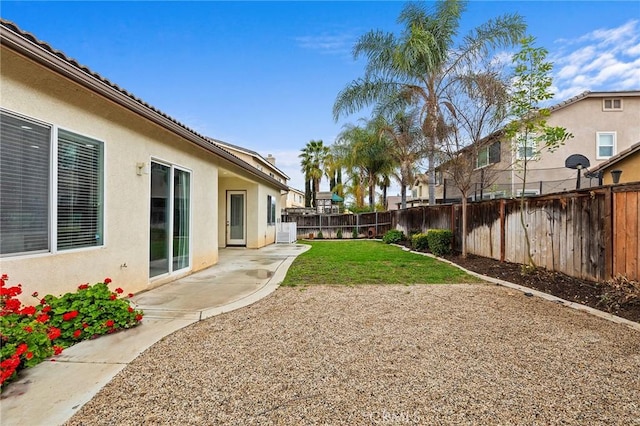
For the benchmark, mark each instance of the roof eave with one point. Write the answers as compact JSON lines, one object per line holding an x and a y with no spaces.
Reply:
{"x":50,"y":60}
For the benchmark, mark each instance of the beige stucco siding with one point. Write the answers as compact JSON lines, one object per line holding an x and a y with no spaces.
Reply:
{"x":630,"y":167}
{"x":37,"y":93}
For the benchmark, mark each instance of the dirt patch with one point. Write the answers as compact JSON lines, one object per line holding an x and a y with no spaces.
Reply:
{"x":620,"y":297}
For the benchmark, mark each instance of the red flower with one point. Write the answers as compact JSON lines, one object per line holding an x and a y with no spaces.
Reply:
{"x":12,"y":305}
{"x":28,"y":329}
{"x":130,"y":295}
{"x":46,"y":309}
{"x":29,"y":355}
{"x":43,"y":302}
{"x":83,"y":286}
{"x":130,"y":309}
{"x":22,"y":348}
{"x":85,"y":325}
{"x":107,"y":280}
{"x":77,"y":333}
{"x":5,"y":277}
{"x":42,"y":318}
{"x":29,"y":310}
{"x":70,"y":315}
{"x":113,"y":296}
{"x":138,"y":317}
{"x":57,"y":350}
{"x":119,"y":290}
{"x":35,"y":294}
{"x":109,"y":323}
{"x":54,"y":333}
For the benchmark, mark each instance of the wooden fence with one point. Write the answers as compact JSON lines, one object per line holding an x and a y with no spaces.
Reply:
{"x":364,"y":224}
{"x":591,"y":234}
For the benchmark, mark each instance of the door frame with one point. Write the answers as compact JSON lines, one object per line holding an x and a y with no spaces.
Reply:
{"x":228,"y":240}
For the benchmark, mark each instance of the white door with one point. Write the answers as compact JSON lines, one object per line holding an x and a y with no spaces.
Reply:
{"x":236,"y":218}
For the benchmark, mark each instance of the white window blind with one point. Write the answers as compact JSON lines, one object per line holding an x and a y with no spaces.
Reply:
{"x":24,"y":185}
{"x":80,"y":195}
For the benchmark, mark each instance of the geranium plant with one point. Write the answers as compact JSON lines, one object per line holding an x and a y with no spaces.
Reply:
{"x":29,"y":334}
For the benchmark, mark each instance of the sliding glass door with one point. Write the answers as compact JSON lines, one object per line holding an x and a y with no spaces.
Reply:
{"x":169,"y":219}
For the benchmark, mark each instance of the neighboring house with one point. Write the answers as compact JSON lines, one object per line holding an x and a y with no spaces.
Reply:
{"x":96,"y":183}
{"x":603,"y":124}
{"x":621,"y":168}
{"x":265,"y":165}
{"x":294,"y":199}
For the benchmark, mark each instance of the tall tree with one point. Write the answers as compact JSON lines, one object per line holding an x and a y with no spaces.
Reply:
{"x":416,"y":66}
{"x":406,"y":146}
{"x":364,"y":148}
{"x":312,"y":161}
{"x":476,"y":110}
{"x":529,"y":131}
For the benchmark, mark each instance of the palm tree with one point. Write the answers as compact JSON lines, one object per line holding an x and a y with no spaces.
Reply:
{"x":312,"y":160}
{"x":406,"y":147}
{"x":364,"y":148}
{"x":416,"y":66}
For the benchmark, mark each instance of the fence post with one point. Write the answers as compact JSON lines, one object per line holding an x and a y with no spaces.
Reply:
{"x":608,"y":233}
{"x":502,"y":231}
{"x":376,"y":224}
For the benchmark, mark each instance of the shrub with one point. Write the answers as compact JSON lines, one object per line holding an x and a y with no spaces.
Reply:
{"x":419,"y":242}
{"x":29,"y":334}
{"x":439,"y":241}
{"x":393,"y":236}
{"x":319,"y":236}
{"x":354,"y":233}
{"x":339,"y":234}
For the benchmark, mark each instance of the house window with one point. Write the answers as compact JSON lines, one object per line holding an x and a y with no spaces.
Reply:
{"x":612,"y":104}
{"x":527,"y":147}
{"x":30,"y":202}
{"x":80,"y":174}
{"x":606,"y":145}
{"x":271,"y":210}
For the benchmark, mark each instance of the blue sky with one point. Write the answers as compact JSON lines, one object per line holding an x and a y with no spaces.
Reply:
{"x":264,"y":75}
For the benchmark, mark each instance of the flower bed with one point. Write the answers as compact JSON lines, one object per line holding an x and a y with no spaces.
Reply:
{"x":30,"y":334}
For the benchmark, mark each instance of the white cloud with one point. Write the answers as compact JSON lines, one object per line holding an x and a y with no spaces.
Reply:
{"x":604,"y":59}
{"x":333,"y":44}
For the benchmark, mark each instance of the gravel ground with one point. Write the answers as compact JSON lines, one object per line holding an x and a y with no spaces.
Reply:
{"x":429,"y":355}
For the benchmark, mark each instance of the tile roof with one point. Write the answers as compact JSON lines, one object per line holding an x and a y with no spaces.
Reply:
{"x":28,"y":44}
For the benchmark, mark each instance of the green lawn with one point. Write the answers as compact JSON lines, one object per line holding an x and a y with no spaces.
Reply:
{"x":369,"y":262}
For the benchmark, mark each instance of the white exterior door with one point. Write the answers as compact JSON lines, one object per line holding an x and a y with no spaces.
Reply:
{"x":236,"y":218}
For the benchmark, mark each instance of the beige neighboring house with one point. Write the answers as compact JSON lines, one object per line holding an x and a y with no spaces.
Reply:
{"x":294,"y":199}
{"x":603,"y":124}
{"x":96,"y":183}
{"x":291,"y":198}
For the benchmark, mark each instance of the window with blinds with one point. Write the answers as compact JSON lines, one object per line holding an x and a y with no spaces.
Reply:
{"x":80,"y":195}
{"x":25,"y":148}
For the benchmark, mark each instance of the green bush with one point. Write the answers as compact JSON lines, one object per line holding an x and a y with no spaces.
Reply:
{"x":393,"y":236}
{"x":354,"y":233}
{"x":439,"y":241}
{"x":339,"y":234}
{"x":419,"y":242}
{"x":320,"y":236}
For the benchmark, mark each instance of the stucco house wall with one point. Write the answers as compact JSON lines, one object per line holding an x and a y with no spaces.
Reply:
{"x":32,"y":91}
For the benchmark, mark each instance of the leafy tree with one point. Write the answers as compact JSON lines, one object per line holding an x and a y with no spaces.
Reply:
{"x":416,"y":66}
{"x":529,"y":132}
{"x":312,"y":160}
